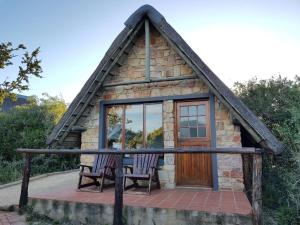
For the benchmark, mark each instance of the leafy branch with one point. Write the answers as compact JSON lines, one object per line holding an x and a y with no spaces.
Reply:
{"x":30,"y":66}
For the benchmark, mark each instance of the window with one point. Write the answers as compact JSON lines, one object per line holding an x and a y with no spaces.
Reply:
{"x":134,"y":126}
{"x":193,"y":121}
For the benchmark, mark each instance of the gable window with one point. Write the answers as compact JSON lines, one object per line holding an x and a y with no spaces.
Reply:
{"x":134,"y":126}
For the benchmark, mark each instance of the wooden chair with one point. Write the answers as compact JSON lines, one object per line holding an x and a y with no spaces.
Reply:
{"x":144,"y":168}
{"x":103,"y":168}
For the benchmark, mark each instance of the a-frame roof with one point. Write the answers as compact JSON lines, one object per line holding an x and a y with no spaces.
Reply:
{"x":86,"y":97}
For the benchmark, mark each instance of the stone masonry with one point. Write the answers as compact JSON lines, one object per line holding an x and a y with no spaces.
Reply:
{"x":165,"y":62}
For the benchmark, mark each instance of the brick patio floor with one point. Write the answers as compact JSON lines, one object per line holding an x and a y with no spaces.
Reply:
{"x":181,"y":199}
{"x":11,"y":218}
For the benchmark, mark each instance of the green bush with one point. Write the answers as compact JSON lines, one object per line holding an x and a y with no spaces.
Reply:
{"x":277,"y":103}
{"x":28,"y":127}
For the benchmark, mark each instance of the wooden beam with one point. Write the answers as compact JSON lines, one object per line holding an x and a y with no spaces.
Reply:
{"x":147,"y":50}
{"x":229,"y":150}
{"x":257,"y":189}
{"x":25,"y":181}
{"x":183,"y":77}
{"x":118,"y":206}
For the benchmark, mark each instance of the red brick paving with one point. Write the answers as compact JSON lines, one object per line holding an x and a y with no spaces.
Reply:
{"x":11,"y":218}
{"x":181,"y":199}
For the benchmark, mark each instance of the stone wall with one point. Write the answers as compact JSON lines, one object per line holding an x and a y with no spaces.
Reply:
{"x":165,"y":62}
{"x":230,"y":167}
{"x":167,"y":172}
{"x":90,"y":138}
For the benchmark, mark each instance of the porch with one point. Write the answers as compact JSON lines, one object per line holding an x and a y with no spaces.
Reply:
{"x":164,"y":206}
{"x":168,"y":207}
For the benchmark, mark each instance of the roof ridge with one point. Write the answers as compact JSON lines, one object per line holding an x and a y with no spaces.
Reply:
{"x":145,"y":11}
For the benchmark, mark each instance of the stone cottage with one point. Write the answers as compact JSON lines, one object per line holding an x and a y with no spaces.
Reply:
{"x":151,"y":90}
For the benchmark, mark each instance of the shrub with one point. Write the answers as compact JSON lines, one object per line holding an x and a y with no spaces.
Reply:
{"x":28,"y":126}
{"x":277,"y":102}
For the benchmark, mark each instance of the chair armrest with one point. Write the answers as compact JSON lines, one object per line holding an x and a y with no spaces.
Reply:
{"x":126,"y":169}
{"x":82,"y":165}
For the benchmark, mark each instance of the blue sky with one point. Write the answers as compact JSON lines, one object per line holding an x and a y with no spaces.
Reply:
{"x":236,"y":39}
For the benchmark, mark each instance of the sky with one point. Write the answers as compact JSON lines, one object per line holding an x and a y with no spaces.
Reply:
{"x":238,"y":40}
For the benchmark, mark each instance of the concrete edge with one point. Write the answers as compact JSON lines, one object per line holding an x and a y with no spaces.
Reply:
{"x":80,"y":211}
{"x":31,"y":199}
{"x":36,"y":178}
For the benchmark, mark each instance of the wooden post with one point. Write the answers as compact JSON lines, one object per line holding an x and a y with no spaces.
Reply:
{"x":257,"y":189}
{"x":147,"y":50}
{"x":118,"y":207}
{"x":25,"y":182}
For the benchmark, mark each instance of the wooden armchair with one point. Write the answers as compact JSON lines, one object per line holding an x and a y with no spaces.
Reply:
{"x":103,"y":168}
{"x":144,"y":168}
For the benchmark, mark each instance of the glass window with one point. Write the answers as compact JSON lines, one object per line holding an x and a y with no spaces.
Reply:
{"x":134,"y":126}
{"x":139,"y":124}
{"x":184,"y":111}
{"x":184,"y":121}
{"x":153,"y":123}
{"x":201,"y":120}
{"x":192,"y":121}
{"x":192,"y":110}
{"x":201,"y":132}
{"x":184,"y":132}
{"x":201,"y":110}
{"x":114,"y":127}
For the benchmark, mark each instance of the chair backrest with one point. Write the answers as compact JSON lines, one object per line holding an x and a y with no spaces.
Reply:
{"x":142,"y":163}
{"x":103,"y":160}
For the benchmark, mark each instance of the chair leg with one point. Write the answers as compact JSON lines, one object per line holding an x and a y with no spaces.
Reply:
{"x":157,"y":180}
{"x":101,"y":184}
{"x":149,"y":187}
{"x":124,"y":183}
{"x":79,"y":182}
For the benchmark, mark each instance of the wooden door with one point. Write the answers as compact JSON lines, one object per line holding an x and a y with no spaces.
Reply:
{"x":193,"y":129}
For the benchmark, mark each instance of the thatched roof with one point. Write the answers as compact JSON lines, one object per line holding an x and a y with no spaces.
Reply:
{"x":84,"y":99}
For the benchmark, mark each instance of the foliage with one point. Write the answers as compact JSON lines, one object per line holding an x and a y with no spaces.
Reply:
{"x":277,"y":102}
{"x":28,"y":126}
{"x":30,"y":66}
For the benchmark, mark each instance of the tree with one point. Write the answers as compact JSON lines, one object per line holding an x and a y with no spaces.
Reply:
{"x":30,"y":66}
{"x":276,"y":102}
{"x":28,"y":126}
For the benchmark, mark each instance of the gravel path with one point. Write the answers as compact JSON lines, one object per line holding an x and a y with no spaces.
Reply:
{"x":9,"y":196}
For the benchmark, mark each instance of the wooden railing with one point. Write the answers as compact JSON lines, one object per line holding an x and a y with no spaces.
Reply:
{"x":118,"y":205}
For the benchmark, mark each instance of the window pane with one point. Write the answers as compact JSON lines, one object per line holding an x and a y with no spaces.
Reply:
{"x":201,"y":120}
{"x":193,"y":131}
{"x":201,"y":131}
{"x":184,"y":121}
{"x":193,"y":121}
{"x":184,"y":111}
{"x":134,"y":126}
{"x":184,"y":132}
{"x":154,"y":129}
{"x":192,"y":110}
{"x":201,"y":110}
{"x":114,"y":127}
